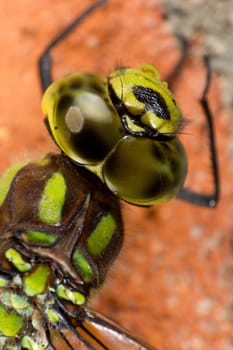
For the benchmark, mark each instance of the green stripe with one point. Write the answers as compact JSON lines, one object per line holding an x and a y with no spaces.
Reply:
{"x":37,"y":237}
{"x":10,"y":322}
{"x":36,"y":281}
{"x":101,"y":235}
{"x":82,"y":265}
{"x":53,"y":198}
{"x":29,"y":344}
{"x":74,"y":297}
{"x":16,"y":259}
{"x":6,"y":180}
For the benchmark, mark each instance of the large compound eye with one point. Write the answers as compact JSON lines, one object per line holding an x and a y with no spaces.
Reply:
{"x":144,"y":101}
{"x":81,"y":117}
{"x":146,"y":172}
{"x":86,"y":121}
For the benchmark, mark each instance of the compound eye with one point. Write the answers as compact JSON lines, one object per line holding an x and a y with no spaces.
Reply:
{"x":145,"y":172}
{"x":81,"y":117}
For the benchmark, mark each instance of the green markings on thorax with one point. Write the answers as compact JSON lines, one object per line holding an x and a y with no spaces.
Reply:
{"x":29,"y":344}
{"x":10,"y":322}
{"x":52,"y":200}
{"x":52,"y":316}
{"x":16,"y":302}
{"x":37,"y":237}
{"x":83,"y":266}
{"x":36,"y":281}
{"x":101,"y":235}
{"x":6,"y":180}
{"x":3,"y":281}
{"x":53,"y":196}
{"x":16,"y":259}
{"x":74,"y":297}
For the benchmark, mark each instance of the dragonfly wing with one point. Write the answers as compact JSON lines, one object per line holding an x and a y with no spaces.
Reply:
{"x":93,"y":331}
{"x":104,"y":334}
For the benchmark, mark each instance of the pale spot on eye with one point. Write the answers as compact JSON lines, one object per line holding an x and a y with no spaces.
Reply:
{"x":74,"y":119}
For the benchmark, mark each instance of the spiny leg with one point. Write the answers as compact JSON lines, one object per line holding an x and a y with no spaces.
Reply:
{"x":45,"y":61}
{"x":206,"y":200}
{"x":187,"y":194}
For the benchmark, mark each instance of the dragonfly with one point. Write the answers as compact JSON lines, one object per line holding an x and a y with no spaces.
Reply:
{"x":60,"y":219}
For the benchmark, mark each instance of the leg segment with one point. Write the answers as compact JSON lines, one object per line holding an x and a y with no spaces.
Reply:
{"x":45,"y":61}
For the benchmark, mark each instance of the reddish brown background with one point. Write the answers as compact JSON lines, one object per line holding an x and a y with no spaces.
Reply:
{"x":171,"y":285}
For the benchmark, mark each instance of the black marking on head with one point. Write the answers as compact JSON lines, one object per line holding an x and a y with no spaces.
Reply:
{"x":152,"y":100}
{"x":117,"y":102}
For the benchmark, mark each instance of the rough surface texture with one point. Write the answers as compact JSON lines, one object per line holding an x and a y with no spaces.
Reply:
{"x":172,"y":283}
{"x":213,"y":22}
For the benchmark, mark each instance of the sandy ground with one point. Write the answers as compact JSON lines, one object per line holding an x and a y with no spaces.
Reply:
{"x":177,"y":259}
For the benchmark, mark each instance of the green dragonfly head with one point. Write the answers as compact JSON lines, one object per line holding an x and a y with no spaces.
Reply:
{"x":144,"y":101}
{"x":123,"y":128}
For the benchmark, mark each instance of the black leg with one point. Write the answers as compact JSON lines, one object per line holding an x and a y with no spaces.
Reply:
{"x":45,"y":61}
{"x":208,"y":200}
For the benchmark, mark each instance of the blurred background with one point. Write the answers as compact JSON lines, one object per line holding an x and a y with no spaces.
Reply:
{"x":172,"y":284}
